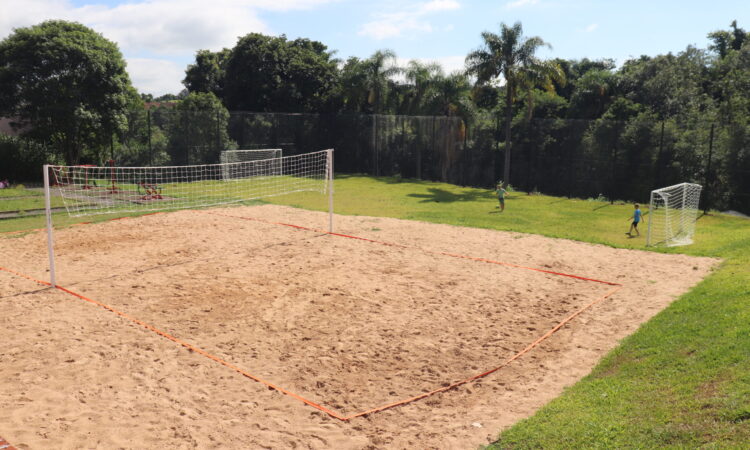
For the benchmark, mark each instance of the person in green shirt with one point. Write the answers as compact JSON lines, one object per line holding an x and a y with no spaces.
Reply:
{"x":501,"y":196}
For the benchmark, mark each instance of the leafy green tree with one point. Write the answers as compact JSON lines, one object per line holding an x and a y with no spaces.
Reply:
{"x":272,"y":74}
{"x":604,"y":144}
{"x":198,"y":130}
{"x":669,"y":84}
{"x":208,"y":73}
{"x":724,"y":41}
{"x":592,"y":95}
{"x":66,"y":84}
{"x":511,"y":56}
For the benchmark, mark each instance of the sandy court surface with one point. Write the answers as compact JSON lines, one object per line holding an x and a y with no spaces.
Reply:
{"x":348,"y":324}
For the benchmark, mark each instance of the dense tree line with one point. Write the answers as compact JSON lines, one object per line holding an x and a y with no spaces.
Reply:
{"x":646,"y":124}
{"x":573,"y":127}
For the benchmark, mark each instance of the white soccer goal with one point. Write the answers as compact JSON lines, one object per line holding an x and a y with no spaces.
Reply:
{"x":89,"y":190}
{"x":234,"y":156}
{"x":672,"y":215}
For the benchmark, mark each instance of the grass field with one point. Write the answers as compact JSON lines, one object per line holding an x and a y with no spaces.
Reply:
{"x":21,"y":199}
{"x":682,"y":380}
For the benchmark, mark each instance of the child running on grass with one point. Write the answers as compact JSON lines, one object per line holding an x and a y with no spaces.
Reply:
{"x":636,"y":217}
{"x":501,"y":196}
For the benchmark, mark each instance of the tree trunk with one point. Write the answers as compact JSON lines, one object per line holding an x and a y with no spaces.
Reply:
{"x":508,"y":120}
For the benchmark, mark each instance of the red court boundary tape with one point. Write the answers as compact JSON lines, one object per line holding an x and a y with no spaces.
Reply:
{"x":178,"y":341}
{"x":537,"y":342}
{"x":392,"y":244}
{"x":4,"y":445}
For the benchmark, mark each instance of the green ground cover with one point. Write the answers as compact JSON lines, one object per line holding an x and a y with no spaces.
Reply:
{"x":18,"y":192}
{"x":682,"y":380}
{"x":21,"y":199}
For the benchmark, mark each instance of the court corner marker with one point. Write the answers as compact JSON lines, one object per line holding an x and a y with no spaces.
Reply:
{"x":4,"y":445}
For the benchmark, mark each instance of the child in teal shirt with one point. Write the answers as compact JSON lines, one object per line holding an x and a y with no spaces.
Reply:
{"x":637,"y":217}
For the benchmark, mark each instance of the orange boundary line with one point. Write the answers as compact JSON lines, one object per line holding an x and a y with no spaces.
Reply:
{"x":392,"y":244}
{"x":5,"y":445}
{"x":181,"y":342}
{"x":617,"y":287}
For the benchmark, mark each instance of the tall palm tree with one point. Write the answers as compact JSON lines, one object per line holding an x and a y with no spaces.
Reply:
{"x":452,"y":95}
{"x":421,"y":78}
{"x":509,"y":55}
{"x":379,"y":68}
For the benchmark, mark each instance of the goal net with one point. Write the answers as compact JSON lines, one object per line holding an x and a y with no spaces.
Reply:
{"x":672,"y":215}
{"x":230,"y":171}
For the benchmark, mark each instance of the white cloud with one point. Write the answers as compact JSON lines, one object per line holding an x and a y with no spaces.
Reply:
{"x":409,"y":19}
{"x":156,"y":76}
{"x":521,"y":3}
{"x":393,"y":26}
{"x":143,"y":28}
{"x":159,"y":26}
{"x":591,"y":27}
{"x":440,"y":5}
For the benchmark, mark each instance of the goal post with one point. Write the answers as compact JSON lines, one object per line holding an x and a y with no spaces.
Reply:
{"x":673,"y":211}
{"x":92,"y":190}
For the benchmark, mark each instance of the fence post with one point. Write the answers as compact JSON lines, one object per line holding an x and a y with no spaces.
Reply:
{"x":150,"y":148}
{"x":186,"y":122}
{"x":707,"y":203}
{"x":374,"y":146}
{"x":659,"y":158}
{"x":218,"y":132}
{"x":242,"y":130}
{"x":418,"y":147}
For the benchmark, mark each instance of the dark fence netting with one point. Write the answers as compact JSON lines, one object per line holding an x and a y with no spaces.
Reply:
{"x":616,"y":160}
{"x":431,"y":148}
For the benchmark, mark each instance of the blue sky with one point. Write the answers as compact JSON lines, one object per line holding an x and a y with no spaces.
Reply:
{"x":159,"y":37}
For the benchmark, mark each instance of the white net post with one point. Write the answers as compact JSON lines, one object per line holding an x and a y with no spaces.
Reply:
{"x":329,"y":170}
{"x":673,"y":212}
{"x":50,"y":240}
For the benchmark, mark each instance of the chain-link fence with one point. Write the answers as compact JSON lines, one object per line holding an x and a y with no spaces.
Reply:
{"x":576,"y":158}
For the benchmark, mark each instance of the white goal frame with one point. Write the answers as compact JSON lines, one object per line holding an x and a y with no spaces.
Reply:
{"x":88,"y":190}
{"x":673,"y":211}
{"x":242,"y":155}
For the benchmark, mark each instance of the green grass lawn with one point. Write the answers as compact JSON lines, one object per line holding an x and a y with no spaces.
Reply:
{"x":21,"y":199}
{"x":18,"y":192}
{"x":682,"y":380}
